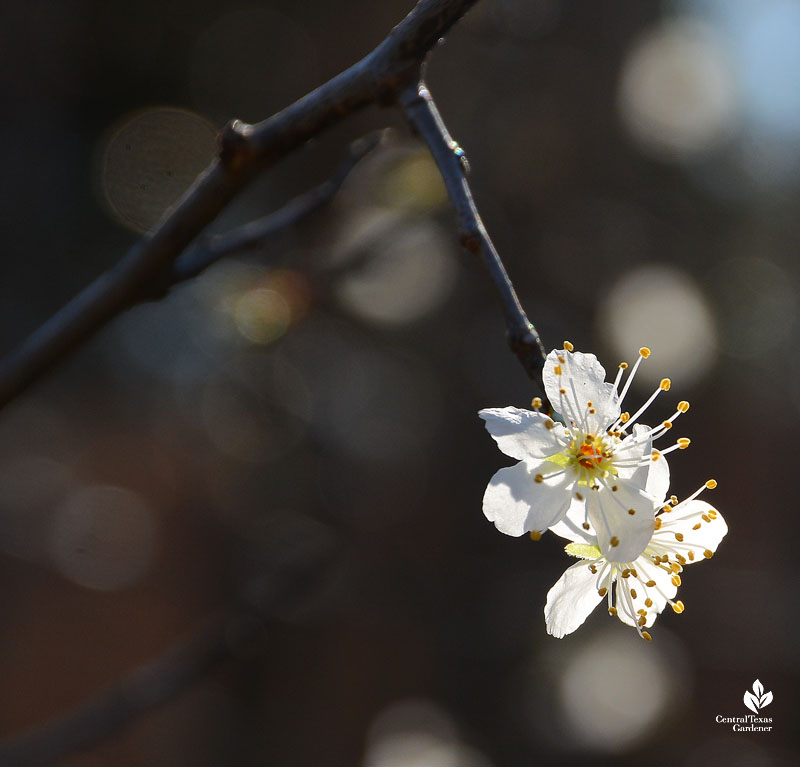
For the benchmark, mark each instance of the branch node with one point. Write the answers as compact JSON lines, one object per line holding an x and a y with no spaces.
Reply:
{"x":471,"y":241}
{"x":461,"y":155}
{"x":235,"y":149}
{"x":395,"y":85}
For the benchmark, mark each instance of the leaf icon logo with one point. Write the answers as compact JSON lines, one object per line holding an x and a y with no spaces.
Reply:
{"x":758,"y":698}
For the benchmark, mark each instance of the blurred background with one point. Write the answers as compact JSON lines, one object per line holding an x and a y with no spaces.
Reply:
{"x":638,"y":166}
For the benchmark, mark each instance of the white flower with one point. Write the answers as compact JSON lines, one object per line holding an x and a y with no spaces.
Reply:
{"x":638,"y":589}
{"x":589,"y":475}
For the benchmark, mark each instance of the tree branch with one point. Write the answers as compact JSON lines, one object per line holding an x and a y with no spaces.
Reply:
{"x":421,"y":111}
{"x":389,"y":73}
{"x":245,"y":151}
{"x":254,"y":234}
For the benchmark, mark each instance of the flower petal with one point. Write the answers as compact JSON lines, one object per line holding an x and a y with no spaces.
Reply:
{"x":659,"y":594}
{"x":571,"y":600}
{"x":657,"y":483}
{"x":524,"y":434}
{"x":517,"y":504}
{"x":683,"y":520}
{"x":582,"y":379}
{"x":571,"y":525}
{"x":622,"y":535}
{"x":637,"y":447}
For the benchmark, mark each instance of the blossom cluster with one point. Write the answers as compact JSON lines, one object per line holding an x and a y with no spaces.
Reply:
{"x":591,"y":474}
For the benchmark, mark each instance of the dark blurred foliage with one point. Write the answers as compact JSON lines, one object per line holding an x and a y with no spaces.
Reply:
{"x":641,"y":183}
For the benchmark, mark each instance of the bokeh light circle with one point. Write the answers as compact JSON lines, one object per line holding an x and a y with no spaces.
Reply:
{"x":660,"y":307}
{"x":677,"y":91}
{"x":104,"y":537}
{"x":149,"y":160}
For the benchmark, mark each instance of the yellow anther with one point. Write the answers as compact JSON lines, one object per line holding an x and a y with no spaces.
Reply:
{"x":665,"y":384}
{"x":602,"y":592}
{"x":648,"y":602}
{"x":667,"y":424}
{"x":614,"y":540}
{"x":557,"y":370}
{"x":634,"y":573}
{"x":678,"y":536}
{"x":549,"y":425}
{"x":593,"y":568}
{"x":612,"y":610}
{"x":535,"y":535}
{"x":561,"y":358}
{"x":625,"y":417}
{"x":642,"y":620}
{"x":631,"y":511}
{"x":641,"y":611}
{"x":681,"y":558}
{"x":538,"y":478}
{"x":712,"y":514}
{"x":562,"y":391}
{"x":683,"y":406}
{"x":673,"y":499}
{"x":675,"y":567}
{"x":650,"y":584}
{"x":658,"y":523}
{"x":536,"y":403}
{"x":626,"y":573}
{"x":644,"y":352}
{"x":579,"y":496}
{"x":691,"y":555}
{"x":683,"y":443}
{"x":678,"y":607}
{"x":623,"y":365}
{"x":655,"y":455}
{"x":708,"y":553}
{"x":585,"y":525}
{"x":711,"y":483}
{"x":592,"y":410}
{"x":667,"y":508}
{"x":705,"y":518}
{"x":614,"y":488}
{"x":633,"y":593}
{"x":568,"y":346}
{"x":647,"y":636}
{"x":676,"y":580}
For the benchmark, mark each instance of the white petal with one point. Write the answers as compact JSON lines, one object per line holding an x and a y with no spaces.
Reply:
{"x":657,"y":483}
{"x":517,"y":504}
{"x":571,"y":600}
{"x":635,"y":452}
{"x":524,"y":434}
{"x":652,"y":475}
{"x":663,"y":591}
{"x":610,"y":515}
{"x":571,"y":526}
{"x":583,"y":380}
{"x":682,"y":520}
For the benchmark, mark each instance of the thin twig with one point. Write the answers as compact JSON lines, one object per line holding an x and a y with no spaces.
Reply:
{"x":254,"y":234}
{"x":245,"y":151}
{"x":423,"y":115}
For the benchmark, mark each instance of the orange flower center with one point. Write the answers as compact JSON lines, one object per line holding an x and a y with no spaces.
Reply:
{"x":592,"y":456}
